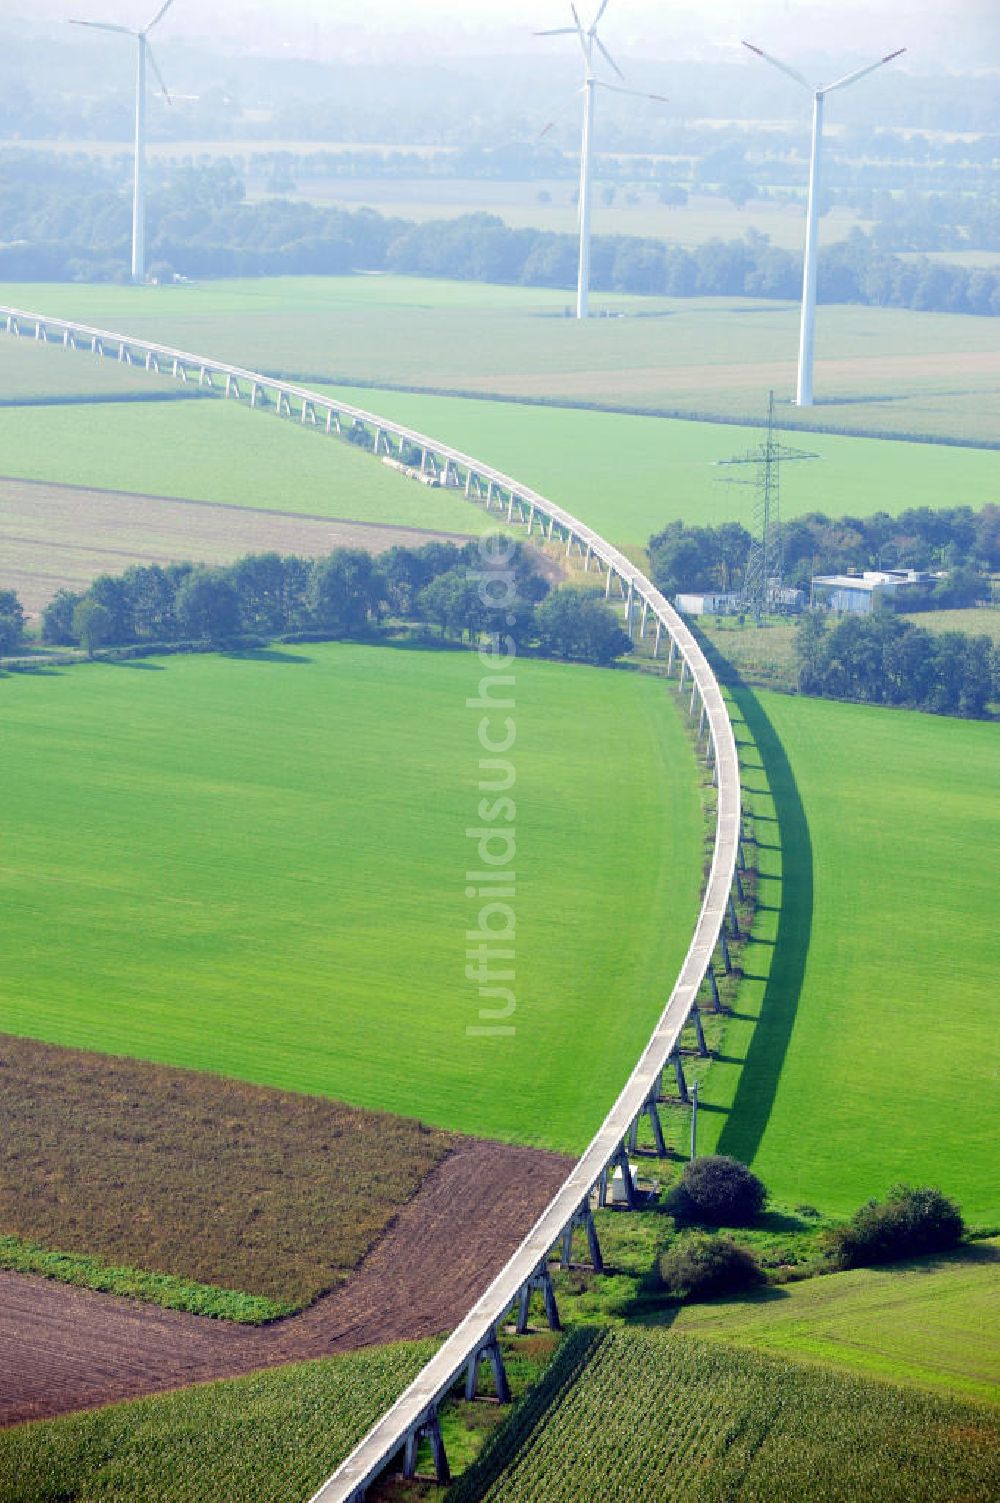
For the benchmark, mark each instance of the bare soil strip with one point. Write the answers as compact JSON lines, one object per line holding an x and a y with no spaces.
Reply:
{"x":55,"y":537}
{"x":63,"y":1349}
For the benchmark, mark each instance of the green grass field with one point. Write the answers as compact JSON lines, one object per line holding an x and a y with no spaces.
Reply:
{"x":216,"y":451}
{"x":644,"y":1414}
{"x":625,"y":475}
{"x":932,"y":1324}
{"x":268,"y":1438}
{"x":982,"y":622}
{"x":879,"y":369}
{"x":256,"y":866}
{"x":871,"y":963}
{"x":628,"y":476}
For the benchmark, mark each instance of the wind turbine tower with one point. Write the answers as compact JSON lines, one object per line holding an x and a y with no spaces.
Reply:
{"x":144,"y":54}
{"x":588,"y":40}
{"x":804,"y":388}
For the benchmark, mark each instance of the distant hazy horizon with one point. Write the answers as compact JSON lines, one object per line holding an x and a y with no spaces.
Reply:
{"x":947,"y":35}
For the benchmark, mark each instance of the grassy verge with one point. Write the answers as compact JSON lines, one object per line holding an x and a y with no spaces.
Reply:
{"x":154,"y":1288}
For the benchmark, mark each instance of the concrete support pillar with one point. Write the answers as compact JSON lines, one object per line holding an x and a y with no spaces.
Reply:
{"x":652,"y":1112}
{"x":713,"y":987}
{"x":621,"y":1160}
{"x":670,"y":657}
{"x":693,"y":699}
{"x":682,"y":1085}
{"x":734,"y":923}
{"x":593,"y":1246}
{"x":740,"y":894}
{"x":586,"y":559}
{"x":255,"y":394}
{"x":569,"y":544}
{"x":541,"y":1280}
{"x":699,"y":1032}
{"x":656,"y":639}
{"x":492,"y":1354}
{"x":726,"y":957}
{"x":607,"y":585}
{"x":510,"y":507}
{"x":683,"y":677}
{"x":531,"y":519}
{"x":701,"y":720}
{"x":633,"y":1137}
{"x":642,"y":619}
{"x":602,"y":1189}
{"x":628,"y":608}
{"x":431,"y":1430}
{"x":489,"y":495}
{"x":468,"y":484}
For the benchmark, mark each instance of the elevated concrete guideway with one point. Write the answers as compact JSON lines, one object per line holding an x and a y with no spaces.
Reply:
{"x":415,"y":1412}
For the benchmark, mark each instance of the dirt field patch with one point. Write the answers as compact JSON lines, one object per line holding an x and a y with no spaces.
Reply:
{"x":55,"y":537}
{"x":66,"y":1349}
{"x":206,"y":1178}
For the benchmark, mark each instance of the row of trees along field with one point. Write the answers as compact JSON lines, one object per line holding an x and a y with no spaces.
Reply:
{"x":461,"y":591}
{"x":64,"y":221}
{"x":961,"y":544}
{"x":883,"y":659}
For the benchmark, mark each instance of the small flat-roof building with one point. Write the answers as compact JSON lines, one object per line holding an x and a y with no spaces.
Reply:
{"x":706,"y":603}
{"x":861,"y":593}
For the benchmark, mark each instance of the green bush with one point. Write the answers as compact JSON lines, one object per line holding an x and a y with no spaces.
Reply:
{"x":906,"y":1224}
{"x":719,"y":1190}
{"x":700,"y":1266}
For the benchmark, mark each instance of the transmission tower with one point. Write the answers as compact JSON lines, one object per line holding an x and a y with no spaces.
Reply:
{"x":762,"y":578}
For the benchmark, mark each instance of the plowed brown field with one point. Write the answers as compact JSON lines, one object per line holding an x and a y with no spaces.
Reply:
{"x":63,"y":1349}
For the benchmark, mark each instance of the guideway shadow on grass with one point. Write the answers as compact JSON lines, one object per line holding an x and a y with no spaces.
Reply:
{"x":758,"y":1081}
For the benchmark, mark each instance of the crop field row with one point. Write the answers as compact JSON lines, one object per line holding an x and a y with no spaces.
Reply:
{"x":931,"y":1324}
{"x":266,"y":1438}
{"x":863,"y":1049}
{"x":670,"y":1419}
{"x":625,"y":475}
{"x":205,"y":1178}
{"x":262,"y":874}
{"x":56,"y":537}
{"x":879,"y":370}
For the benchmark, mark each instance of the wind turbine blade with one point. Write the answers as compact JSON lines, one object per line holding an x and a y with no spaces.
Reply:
{"x":635,"y":93}
{"x":600,"y":13}
{"x":784,"y":67}
{"x":850,"y":78}
{"x":559,"y":31}
{"x":576,"y":17}
{"x":608,"y":56}
{"x":159,"y":76}
{"x":159,"y":15}
{"x":106,"y":26}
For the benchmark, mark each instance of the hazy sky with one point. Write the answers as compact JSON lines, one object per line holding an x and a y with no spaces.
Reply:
{"x":959,"y":32}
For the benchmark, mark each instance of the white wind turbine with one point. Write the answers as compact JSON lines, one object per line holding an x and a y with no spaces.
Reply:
{"x":588,"y":41}
{"x":804,"y":388}
{"x":143,"y":52}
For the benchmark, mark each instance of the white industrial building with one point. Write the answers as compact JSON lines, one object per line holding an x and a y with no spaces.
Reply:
{"x":861,"y":594}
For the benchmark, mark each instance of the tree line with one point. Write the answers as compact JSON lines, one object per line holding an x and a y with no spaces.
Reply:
{"x":960,"y":543}
{"x":884,"y":660}
{"x":71,"y":221}
{"x":481,"y":587}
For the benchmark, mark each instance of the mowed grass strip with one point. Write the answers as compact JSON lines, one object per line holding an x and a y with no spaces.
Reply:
{"x":864,"y":1049}
{"x":628,"y":476}
{"x":256,"y":866}
{"x":668,"y":1418}
{"x":878,"y":369}
{"x":220,"y":451}
{"x":210,"y":1180}
{"x":932,"y":1324}
{"x":268,"y":1438}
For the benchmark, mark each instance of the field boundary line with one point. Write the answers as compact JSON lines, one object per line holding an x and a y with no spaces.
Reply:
{"x":415,"y":1412}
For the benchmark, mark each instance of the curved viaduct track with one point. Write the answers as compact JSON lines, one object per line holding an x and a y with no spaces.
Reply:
{"x":415,"y":1412}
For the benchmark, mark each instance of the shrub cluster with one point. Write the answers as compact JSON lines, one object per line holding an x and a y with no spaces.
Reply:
{"x":909,"y":1223}
{"x":701,"y":1266}
{"x":718,"y":1190}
